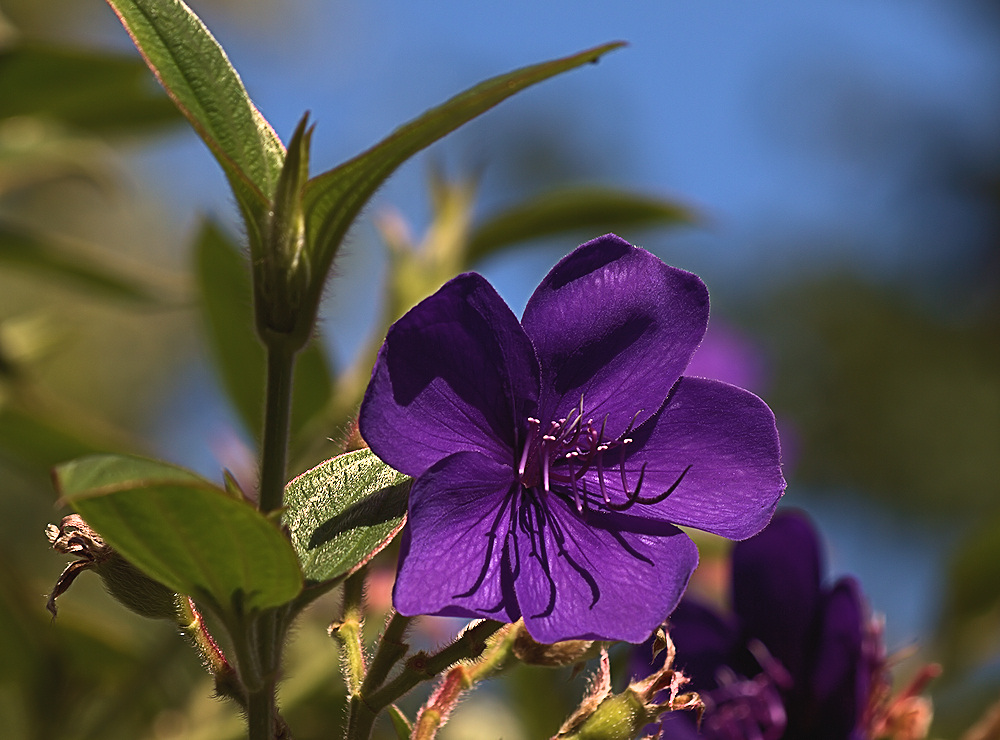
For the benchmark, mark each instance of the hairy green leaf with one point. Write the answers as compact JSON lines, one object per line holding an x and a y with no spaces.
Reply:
{"x":343,"y":512}
{"x":182,"y":531}
{"x":194,"y":70}
{"x":588,"y":209}
{"x":333,"y":199}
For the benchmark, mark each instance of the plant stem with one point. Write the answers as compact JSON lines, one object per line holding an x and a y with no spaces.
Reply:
{"x":460,"y":679}
{"x":347,"y":632}
{"x":391,"y":649}
{"x":261,"y":713}
{"x":421,"y":667}
{"x":263,"y":631}
{"x":277,"y":418}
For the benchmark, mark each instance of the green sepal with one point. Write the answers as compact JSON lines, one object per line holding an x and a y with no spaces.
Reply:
{"x":283,"y":272}
{"x":226,"y":293}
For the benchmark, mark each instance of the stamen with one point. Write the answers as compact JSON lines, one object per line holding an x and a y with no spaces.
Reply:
{"x":561,"y":457}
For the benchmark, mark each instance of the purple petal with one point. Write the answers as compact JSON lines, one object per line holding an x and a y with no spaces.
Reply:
{"x":725,"y":439}
{"x":615,"y":325}
{"x":455,"y":373}
{"x":452,"y":561}
{"x":589,"y":579}
{"x":776,"y":588}
{"x":835,"y":696}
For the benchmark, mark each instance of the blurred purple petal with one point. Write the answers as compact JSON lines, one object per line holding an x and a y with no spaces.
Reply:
{"x":708,"y":638}
{"x":835,"y":709}
{"x":776,"y":587}
{"x":796,"y":660}
{"x":730,"y":356}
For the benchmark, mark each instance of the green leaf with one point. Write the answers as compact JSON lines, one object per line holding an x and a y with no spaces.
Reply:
{"x":402,"y":726}
{"x":24,"y":250}
{"x":197,"y":75}
{"x":88,"y":90}
{"x":227,"y":306}
{"x":343,"y":512}
{"x":182,"y":531}
{"x":333,"y":199}
{"x":589,"y":209}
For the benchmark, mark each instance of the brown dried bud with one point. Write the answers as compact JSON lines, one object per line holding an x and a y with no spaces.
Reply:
{"x":130,"y":586}
{"x":568,"y":652}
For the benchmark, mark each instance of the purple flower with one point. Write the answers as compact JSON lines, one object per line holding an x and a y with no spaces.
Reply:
{"x":795,"y":661}
{"x":553,"y":456}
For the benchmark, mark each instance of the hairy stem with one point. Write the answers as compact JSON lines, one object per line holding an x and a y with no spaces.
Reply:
{"x":347,"y":632}
{"x":420,"y":667}
{"x":391,"y":649}
{"x":277,"y":418}
{"x":460,"y":679}
{"x":262,"y":713}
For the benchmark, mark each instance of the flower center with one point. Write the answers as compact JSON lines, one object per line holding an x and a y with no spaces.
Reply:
{"x":559,"y":455}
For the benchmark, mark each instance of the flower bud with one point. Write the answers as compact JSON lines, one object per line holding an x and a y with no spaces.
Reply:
{"x":568,"y":652}
{"x":606,"y":716}
{"x":126,"y":583}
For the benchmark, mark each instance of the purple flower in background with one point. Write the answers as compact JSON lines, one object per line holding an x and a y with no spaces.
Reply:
{"x":795,"y":661}
{"x":554,"y":456}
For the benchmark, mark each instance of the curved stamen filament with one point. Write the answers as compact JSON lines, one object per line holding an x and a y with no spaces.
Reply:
{"x":633,"y":498}
{"x":558,"y":459}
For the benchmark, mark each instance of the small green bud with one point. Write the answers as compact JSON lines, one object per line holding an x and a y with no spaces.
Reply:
{"x":606,"y":716}
{"x":618,"y":717}
{"x":283,"y":276}
{"x":127,"y":584}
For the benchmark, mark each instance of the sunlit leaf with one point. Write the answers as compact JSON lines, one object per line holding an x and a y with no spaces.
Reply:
{"x":333,"y":199}
{"x":589,"y":210}
{"x":344,"y":511}
{"x":227,"y":306}
{"x":183,"y":531}
{"x":95,"y":91}
{"x":196,"y":73}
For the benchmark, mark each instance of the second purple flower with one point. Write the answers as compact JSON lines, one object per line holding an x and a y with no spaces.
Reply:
{"x":554,"y":456}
